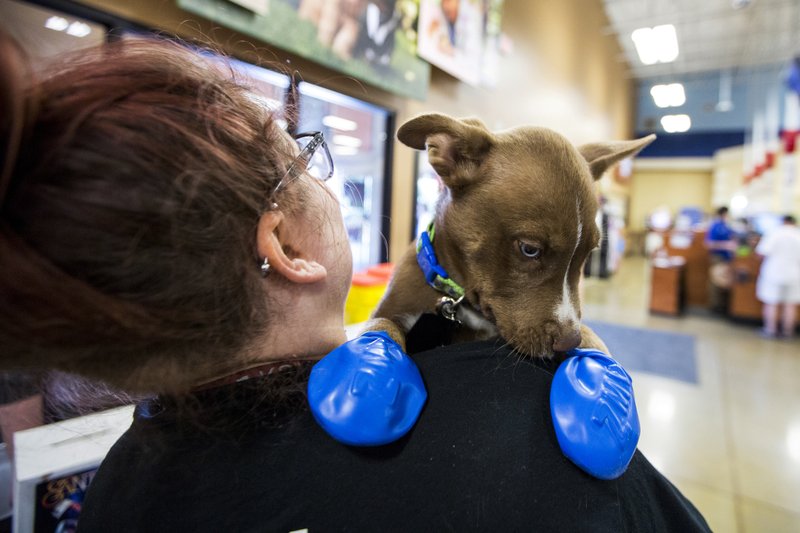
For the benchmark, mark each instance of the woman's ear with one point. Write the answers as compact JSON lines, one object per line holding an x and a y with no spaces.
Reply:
{"x":269,"y":245}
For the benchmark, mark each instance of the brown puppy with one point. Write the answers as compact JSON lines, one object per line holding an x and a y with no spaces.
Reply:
{"x":513,"y":228}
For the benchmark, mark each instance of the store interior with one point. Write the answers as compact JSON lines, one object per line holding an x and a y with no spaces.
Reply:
{"x":719,"y":404}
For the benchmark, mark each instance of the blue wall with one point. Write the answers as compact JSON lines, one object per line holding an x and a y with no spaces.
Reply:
{"x":711,"y":129}
{"x":700,"y":144}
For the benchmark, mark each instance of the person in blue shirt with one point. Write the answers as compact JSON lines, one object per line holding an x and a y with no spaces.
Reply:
{"x":721,"y":242}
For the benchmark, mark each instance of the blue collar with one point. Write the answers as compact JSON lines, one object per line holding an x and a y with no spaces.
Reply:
{"x":435,"y":275}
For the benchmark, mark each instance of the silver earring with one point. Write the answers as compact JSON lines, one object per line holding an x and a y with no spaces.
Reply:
{"x":265,"y":268}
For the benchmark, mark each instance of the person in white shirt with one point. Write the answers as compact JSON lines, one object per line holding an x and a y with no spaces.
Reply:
{"x":778,"y":283}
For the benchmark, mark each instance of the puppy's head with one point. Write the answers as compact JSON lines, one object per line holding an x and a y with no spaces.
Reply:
{"x":518,"y":221}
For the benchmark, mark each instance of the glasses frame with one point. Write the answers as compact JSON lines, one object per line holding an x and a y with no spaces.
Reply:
{"x":303,"y":159}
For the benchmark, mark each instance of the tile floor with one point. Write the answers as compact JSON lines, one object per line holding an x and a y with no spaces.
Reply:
{"x":731,"y":442}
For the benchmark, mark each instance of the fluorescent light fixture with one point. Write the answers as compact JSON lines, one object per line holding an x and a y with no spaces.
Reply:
{"x":345,"y":150}
{"x":676,"y":123}
{"x":79,"y":29}
{"x":56,"y":23}
{"x":346,"y":140}
{"x":656,"y":45}
{"x":723,"y":106}
{"x":260,"y":99}
{"x":671,"y":95}
{"x":725,"y":103}
{"x":339,"y":123}
{"x":738,"y":202}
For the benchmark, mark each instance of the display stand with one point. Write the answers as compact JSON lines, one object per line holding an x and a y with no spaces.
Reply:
{"x":54,"y":465}
{"x":690,"y":245}
{"x":666,"y":289}
{"x":743,"y":303}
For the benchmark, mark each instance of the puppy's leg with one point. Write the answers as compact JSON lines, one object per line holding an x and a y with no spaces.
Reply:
{"x":395,"y":331}
{"x":589,"y":339}
{"x":406,"y":298}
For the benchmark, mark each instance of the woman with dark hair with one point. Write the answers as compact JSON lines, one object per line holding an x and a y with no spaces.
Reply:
{"x":160,"y":233}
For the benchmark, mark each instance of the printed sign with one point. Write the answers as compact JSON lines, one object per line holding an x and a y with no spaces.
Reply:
{"x":374,"y":41}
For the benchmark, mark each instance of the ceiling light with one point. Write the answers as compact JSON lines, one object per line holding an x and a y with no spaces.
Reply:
{"x":676,"y":123}
{"x":658,"y":44}
{"x":56,"y":23}
{"x":723,"y":106}
{"x":345,"y":150}
{"x":724,"y":103}
{"x":738,"y":202}
{"x":79,"y":29}
{"x":346,"y":140}
{"x":269,"y":103}
{"x":339,"y":123}
{"x":671,"y":95}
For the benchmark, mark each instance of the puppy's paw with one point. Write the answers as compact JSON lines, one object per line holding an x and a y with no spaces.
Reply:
{"x":394,"y":331}
{"x":589,"y":339}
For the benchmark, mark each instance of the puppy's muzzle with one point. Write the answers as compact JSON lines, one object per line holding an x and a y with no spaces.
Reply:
{"x":567,"y":341}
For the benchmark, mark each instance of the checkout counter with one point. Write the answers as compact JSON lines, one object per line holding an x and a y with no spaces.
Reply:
{"x":680,"y":278}
{"x":743,"y":303}
{"x":680,"y":273}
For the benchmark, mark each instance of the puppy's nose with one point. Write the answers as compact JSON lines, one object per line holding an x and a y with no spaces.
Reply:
{"x":567,"y":341}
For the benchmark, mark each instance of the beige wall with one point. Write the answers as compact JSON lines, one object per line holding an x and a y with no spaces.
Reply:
{"x":776,"y":191}
{"x":674,"y":183}
{"x":728,"y":170}
{"x":565,"y":73}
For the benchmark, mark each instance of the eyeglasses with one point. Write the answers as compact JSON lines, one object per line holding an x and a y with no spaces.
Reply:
{"x":317,"y":163}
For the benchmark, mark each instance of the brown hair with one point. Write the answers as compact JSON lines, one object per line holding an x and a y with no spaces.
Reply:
{"x":133,"y":179}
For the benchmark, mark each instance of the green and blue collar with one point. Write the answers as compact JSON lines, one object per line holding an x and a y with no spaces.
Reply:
{"x":436,"y":276}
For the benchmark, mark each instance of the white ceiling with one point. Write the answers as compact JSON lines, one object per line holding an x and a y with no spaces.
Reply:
{"x":713,"y":35}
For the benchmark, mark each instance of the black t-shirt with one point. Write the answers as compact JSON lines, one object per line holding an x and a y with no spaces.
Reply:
{"x":482,"y":457}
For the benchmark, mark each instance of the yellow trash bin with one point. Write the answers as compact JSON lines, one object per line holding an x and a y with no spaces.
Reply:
{"x":365,"y":293}
{"x":382,"y":270}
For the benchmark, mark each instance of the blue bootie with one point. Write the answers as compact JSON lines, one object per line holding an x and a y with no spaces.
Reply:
{"x":366,"y":392}
{"x":594,"y":413}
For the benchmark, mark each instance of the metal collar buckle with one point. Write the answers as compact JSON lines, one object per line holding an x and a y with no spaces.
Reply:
{"x":448,"y":308}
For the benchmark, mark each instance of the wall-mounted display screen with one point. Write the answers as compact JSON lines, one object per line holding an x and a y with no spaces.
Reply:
{"x":356,"y":133}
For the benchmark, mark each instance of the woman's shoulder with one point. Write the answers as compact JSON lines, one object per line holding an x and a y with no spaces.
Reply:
{"x":490,"y":362}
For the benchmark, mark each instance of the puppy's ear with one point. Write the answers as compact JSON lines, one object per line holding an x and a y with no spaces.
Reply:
{"x":602,"y":155}
{"x":455,"y":147}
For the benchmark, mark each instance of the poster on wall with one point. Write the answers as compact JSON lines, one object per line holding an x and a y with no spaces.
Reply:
{"x":490,"y":59}
{"x":461,"y":37}
{"x":373,"y":41}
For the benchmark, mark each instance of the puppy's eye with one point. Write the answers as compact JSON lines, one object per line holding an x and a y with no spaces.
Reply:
{"x":529,"y":250}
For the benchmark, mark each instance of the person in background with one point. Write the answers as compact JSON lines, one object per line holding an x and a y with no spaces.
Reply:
{"x":162,"y":233}
{"x":748,"y":237}
{"x":778,"y":285}
{"x":721,"y":243}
